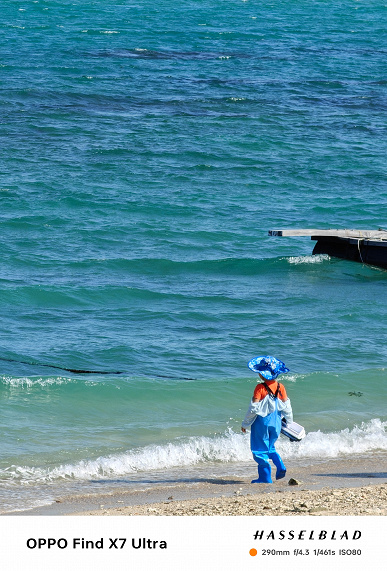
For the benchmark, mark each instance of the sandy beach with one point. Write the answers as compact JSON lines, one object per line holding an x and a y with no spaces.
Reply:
{"x":351,"y":486}
{"x":366,"y":500}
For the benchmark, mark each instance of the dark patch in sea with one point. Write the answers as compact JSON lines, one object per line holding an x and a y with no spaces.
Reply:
{"x":163,"y":55}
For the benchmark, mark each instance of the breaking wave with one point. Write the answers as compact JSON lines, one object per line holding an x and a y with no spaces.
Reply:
{"x":29,"y":382}
{"x":318,"y":259}
{"x":228,"y":447}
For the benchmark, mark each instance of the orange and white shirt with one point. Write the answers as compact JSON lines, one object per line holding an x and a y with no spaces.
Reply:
{"x":263,"y":403}
{"x":260,"y":391}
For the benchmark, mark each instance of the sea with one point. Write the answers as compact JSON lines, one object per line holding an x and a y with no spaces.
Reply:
{"x":146,"y":149}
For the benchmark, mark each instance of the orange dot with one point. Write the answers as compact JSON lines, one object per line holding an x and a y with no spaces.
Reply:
{"x":253,"y":552}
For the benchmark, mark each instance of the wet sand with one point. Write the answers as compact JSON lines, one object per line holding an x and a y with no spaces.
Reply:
{"x":335,"y":487}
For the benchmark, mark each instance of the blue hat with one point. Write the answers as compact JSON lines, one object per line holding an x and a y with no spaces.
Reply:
{"x":268,"y":367}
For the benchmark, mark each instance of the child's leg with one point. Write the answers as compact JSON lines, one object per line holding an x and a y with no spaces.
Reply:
{"x":264,"y":470}
{"x":277,"y":461}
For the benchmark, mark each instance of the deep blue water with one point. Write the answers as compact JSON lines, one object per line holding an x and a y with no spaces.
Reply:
{"x":145,"y":153}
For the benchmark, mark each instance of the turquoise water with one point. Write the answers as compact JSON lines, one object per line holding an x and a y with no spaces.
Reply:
{"x":145,"y":153}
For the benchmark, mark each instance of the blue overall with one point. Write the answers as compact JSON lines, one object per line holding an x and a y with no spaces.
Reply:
{"x":265,"y":431}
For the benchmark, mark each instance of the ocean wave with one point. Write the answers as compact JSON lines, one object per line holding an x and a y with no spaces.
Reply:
{"x":165,"y":266}
{"x":369,"y":436}
{"x":318,"y":259}
{"x":29,"y":382}
{"x":225,"y":448}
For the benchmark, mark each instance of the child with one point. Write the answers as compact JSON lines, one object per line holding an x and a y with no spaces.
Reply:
{"x":269,"y":404}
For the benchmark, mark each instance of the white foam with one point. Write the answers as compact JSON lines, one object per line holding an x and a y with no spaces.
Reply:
{"x":28,"y":382}
{"x":367,"y":437}
{"x":228,"y":447}
{"x":318,"y":259}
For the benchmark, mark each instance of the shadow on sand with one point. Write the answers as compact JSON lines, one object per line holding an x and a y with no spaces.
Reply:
{"x":355,"y":475}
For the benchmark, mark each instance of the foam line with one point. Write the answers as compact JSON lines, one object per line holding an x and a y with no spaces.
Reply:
{"x":228,"y":447}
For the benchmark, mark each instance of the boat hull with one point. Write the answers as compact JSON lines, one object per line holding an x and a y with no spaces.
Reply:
{"x":364,"y":251}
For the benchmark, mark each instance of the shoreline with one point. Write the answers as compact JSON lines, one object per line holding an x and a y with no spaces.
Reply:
{"x":350,"y":486}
